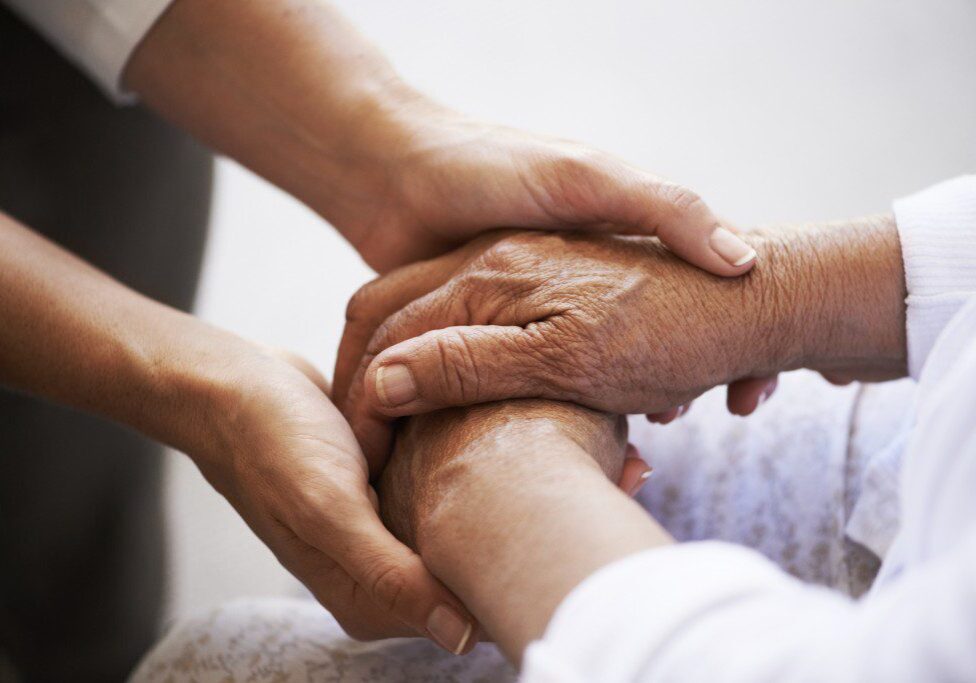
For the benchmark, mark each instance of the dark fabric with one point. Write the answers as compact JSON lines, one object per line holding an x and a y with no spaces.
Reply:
{"x":81,"y":545}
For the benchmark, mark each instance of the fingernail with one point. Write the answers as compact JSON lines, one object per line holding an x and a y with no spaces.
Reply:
{"x":641,"y":480}
{"x":731,"y":247}
{"x":395,"y":385}
{"x":449,"y":630}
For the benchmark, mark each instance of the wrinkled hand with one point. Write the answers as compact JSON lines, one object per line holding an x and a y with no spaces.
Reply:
{"x":287,"y":461}
{"x":448,"y":178}
{"x":617,"y":324}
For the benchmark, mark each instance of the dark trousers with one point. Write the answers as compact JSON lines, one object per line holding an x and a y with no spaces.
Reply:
{"x":81,"y":536}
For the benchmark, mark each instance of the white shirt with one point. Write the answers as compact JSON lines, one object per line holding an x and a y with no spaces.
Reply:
{"x":719,"y":612}
{"x":98,"y":35}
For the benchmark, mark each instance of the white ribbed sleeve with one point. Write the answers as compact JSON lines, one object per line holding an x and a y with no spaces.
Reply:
{"x":97,"y":35}
{"x":937,"y":228}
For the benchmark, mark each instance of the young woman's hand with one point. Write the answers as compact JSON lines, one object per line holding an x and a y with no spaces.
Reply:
{"x":260,"y":426}
{"x":291,"y":90}
{"x":275,"y":446}
{"x":453,"y":177}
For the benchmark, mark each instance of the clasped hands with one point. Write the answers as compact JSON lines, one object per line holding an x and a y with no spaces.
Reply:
{"x":597,"y":325}
{"x":616,"y":324}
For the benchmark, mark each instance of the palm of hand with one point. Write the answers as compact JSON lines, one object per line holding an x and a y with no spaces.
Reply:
{"x":292,"y":469}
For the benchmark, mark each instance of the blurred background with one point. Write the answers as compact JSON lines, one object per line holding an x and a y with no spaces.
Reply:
{"x":772,"y":110}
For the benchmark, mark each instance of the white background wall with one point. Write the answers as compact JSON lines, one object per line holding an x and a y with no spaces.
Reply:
{"x":773,"y":110}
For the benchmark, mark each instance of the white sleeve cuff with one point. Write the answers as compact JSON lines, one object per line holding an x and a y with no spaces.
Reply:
{"x":97,"y":35}
{"x":619,"y":623}
{"x":937,"y":228}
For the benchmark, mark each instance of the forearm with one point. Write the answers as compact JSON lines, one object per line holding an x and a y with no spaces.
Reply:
{"x":288,"y":88}
{"x":73,"y":335}
{"x":514,"y":505}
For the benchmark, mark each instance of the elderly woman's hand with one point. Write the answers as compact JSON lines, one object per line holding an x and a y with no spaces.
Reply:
{"x":269,"y":439}
{"x":617,"y":324}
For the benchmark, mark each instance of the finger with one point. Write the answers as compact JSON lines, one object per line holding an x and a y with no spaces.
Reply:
{"x":635,"y":472}
{"x":458,"y":366}
{"x":378,"y":300}
{"x":837,"y":379}
{"x":373,"y":429}
{"x":669,"y":415}
{"x":746,"y":395}
{"x":360,"y":617}
{"x":453,"y":366}
{"x":634,"y":202}
{"x":393,"y":577}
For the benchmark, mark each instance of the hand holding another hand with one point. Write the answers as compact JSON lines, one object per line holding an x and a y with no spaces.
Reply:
{"x":614,"y":323}
{"x":269,"y":439}
{"x":447,"y":178}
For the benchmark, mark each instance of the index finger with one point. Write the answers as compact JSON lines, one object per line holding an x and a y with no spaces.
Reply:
{"x":374,"y":303}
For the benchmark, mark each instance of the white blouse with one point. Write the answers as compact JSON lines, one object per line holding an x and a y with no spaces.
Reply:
{"x":97,"y":35}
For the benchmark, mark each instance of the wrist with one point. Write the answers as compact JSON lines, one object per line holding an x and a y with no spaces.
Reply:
{"x":442,"y":458}
{"x":831,"y":298}
{"x":190,"y":383}
{"x":352,"y":142}
{"x":523,"y":512}
{"x":494,"y":452}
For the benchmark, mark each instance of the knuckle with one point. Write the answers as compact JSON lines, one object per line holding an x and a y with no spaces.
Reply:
{"x":361,"y":303}
{"x":577,"y":160}
{"x":571,"y":180}
{"x":566,"y":361}
{"x":355,"y":626}
{"x":388,"y":333}
{"x":459,"y":369}
{"x":520,"y":252}
{"x":388,"y":586}
{"x":680,"y":196}
{"x":500,"y":255}
{"x":430,"y":311}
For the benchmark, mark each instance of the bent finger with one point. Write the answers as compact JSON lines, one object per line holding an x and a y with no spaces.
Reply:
{"x":394,"y":578}
{"x":635,"y":472}
{"x":746,"y":395}
{"x":375,"y":302}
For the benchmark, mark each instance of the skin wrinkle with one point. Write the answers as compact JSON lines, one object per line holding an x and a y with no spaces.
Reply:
{"x":305,"y":102}
{"x":457,"y":366}
{"x":434,"y":450}
{"x":630,"y":328}
{"x":639,"y":321}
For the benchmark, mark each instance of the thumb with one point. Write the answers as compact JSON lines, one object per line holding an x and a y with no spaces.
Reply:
{"x":629,"y":201}
{"x":457,"y":366}
{"x":395,"y":581}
